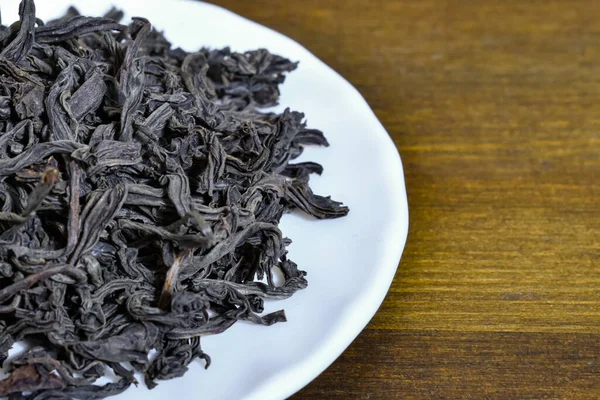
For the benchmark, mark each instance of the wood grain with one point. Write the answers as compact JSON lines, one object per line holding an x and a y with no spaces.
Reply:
{"x":494,"y":107}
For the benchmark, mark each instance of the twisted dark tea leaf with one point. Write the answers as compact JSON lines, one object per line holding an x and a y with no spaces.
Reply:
{"x":140,"y":190}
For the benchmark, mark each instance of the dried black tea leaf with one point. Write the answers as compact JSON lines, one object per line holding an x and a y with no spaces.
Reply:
{"x":141,"y":189}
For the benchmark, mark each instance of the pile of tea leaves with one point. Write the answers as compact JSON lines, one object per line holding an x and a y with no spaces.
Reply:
{"x":141,"y":189}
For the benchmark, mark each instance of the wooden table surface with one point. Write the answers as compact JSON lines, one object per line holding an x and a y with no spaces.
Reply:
{"x":494,"y":106}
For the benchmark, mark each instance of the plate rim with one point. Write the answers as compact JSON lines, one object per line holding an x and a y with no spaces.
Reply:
{"x":270,"y":389}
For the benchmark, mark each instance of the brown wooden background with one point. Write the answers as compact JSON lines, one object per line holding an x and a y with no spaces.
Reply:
{"x":495,"y":108}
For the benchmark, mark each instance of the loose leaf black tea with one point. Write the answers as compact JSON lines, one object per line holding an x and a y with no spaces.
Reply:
{"x":141,"y":189}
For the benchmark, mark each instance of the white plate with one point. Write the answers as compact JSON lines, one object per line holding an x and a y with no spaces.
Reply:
{"x":350,"y":261}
